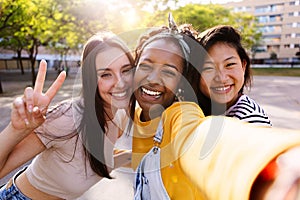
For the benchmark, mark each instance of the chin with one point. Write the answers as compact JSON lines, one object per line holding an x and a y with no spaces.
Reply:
{"x":121,"y":105}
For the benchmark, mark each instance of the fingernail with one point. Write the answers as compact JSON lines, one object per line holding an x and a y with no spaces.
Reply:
{"x":30,"y":108}
{"x":26,"y":122}
{"x":35,"y":109}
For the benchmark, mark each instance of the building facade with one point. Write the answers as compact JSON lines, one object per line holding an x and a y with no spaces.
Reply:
{"x":279,"y":22}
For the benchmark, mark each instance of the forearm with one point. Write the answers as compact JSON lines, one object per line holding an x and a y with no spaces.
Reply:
{"x":9,"y":138}
{"x":238,"y":155}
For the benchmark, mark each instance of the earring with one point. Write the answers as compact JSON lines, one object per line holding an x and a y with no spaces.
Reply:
{"x":180,"y":94}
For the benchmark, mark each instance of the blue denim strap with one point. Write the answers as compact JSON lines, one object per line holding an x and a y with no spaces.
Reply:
{"x":148,"y":180}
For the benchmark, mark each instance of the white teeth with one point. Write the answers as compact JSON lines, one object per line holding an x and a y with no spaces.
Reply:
{"x":121,"y":94}
{"x":149,"y":92}
{"x":222,"y":88}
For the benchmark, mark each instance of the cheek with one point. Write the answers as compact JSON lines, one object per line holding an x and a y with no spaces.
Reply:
{"x":204,"y":86}
{"x":240,"y":77}
{"x":138,"y":76}
{"x":129,"y":80}
{"x":104,"y":86}
{"x":172,"y":85}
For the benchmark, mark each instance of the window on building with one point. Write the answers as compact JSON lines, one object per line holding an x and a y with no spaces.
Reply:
{"x":261,"y":9}
{"x":263,"y":19}
{"x":294,"y":25}
{"x":261,"y":49}
{"x":273,"y":29}
{"x":273,"y":48}
{"x":287,"y":46}
{"x":292,"y":3}
{"x":277,"y":7}
{"x":275,"y":18}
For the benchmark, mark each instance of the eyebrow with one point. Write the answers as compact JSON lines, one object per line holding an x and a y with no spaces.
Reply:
{"x":231,"y":57}
{"x":167,"y":65}
{"x":211,"y":61}
{"x":107,"y":69}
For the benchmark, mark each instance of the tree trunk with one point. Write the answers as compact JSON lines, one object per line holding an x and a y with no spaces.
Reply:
{"x":1,"y":90}
{"x":19,"y":60}
{"x":32,"y":57}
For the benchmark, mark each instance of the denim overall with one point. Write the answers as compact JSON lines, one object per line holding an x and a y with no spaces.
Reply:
{"x":148,"y":181}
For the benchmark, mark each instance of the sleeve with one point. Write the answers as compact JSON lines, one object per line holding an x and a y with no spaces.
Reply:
{"x":246,"y":109}
{"x":180,"y":120}
{"x":226,"y":165}
{"x":58,"y":126}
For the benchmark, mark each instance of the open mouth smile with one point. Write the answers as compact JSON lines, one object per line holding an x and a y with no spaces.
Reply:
{"x":155,"y":94}
{"x":221,"y":89}
{"x":119,"y":94}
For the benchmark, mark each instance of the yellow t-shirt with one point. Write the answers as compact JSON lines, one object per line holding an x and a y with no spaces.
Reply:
{"x":179,"y":121}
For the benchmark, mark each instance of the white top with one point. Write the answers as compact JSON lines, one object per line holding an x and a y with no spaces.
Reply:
{"x":246,"y":109}
{"x":60,"y":170}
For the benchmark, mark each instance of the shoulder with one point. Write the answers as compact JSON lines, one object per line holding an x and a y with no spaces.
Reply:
{"x":60,"y":120}
{"x":247,"y":104}
{"x":183,"y":110}
{"x":249,"y":110}
{"x":185,"y":107}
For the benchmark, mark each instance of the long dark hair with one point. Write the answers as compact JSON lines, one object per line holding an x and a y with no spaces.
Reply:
{"x":230,"y":36}
{"x":94,"y":123}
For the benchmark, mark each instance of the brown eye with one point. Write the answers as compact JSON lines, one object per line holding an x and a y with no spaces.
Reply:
{"x":169,"y":73}
{"x":144,"y":67}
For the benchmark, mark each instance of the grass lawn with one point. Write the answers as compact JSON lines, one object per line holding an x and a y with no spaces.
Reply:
{"x":276,"y":71}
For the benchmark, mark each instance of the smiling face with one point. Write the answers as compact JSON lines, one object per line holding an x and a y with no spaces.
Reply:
{"x":222,"y":76}
{"x":115,"y":76}
{"x":157,"y":76}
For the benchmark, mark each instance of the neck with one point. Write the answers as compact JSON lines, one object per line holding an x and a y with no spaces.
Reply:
{"x":110,"y":112}
{"x":154,"y":112}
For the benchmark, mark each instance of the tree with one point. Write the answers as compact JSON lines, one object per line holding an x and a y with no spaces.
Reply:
{"x":28,"y":25}
{"x":10,"y":23}
{"x":273,"y":55}
{"x":203,"y":17}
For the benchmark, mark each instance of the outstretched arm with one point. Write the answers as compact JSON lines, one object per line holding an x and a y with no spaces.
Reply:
{"x":239,"y":155}
{"x":280,"y":179}
{"x":18,"y":143}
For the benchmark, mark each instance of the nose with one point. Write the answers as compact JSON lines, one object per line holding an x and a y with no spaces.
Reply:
{"x":221,"y":75}
{"x":120,"y":82}
{"x":154,"y":77}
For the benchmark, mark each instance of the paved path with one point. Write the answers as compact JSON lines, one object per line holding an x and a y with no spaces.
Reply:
{"x":279,"y":96}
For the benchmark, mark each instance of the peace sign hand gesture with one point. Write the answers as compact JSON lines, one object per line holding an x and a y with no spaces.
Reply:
{"x":28,"y":112}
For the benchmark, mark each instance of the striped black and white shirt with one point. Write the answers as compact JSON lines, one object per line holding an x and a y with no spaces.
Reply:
{"x":246,"y":109}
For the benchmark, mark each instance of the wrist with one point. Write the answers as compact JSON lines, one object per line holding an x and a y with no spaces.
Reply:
{"x":18,"y":131}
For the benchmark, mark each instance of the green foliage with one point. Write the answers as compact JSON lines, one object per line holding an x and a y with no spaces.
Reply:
{"x":273,"y":55}
{"x":203,"y":17}
{"x":65,"y":25}
{"x":276,"y":71}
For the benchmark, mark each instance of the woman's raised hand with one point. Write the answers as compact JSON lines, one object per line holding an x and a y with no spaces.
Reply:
{"x":28,"y":112}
